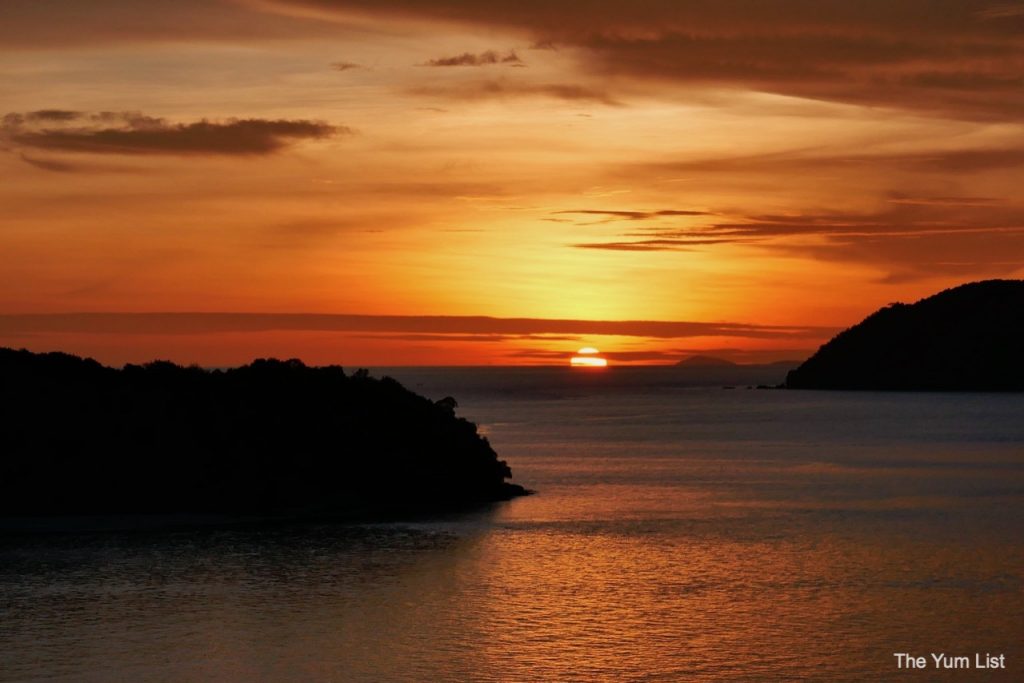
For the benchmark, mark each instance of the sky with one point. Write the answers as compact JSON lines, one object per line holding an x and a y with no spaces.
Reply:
{"x":473,"y":182}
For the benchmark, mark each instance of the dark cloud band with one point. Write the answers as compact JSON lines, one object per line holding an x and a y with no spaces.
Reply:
{"x":133,"y":133}
{"x":481,"y":59}
{"x":212,"y":323}
{"x":957,"y":58}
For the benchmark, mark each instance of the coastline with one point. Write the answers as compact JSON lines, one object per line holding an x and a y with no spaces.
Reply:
{"x":45,"y":525}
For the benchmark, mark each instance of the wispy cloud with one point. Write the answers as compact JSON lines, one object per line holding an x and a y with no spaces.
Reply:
{"x":1008,"y":10}
{"x":667,"y":244}
{"x":634,"y":215}
{"x":935,"y":161}
{"x":673,"y":355}
{"x":499,"y":88}
{"x":43,"y":24}
{"x":910,"y":236}
{"x":53,"y":165}
{"x":471,"y":338}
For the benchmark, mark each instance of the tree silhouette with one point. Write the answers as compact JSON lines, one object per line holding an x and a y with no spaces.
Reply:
{"x":272,"y":436}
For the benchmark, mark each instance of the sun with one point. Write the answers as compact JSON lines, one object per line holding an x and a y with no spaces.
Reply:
{"x":588,"y":357}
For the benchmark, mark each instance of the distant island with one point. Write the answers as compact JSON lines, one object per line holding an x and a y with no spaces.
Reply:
{"x":699,"y":361}
{"x":272,"y":437}
{"x":707,"y":370}
{"x":968,"y":338}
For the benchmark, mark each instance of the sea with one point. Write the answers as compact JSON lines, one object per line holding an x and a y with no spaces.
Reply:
{"x":682,"y":529}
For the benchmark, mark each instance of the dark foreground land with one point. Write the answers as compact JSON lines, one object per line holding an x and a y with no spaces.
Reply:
{"x":968,"y":338}
{"x":271,"y":438}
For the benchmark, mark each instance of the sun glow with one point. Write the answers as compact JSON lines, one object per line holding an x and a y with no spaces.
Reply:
{"x":587,"y":358}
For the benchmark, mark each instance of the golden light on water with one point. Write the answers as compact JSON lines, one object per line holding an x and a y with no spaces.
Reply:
{"x":588,"y":357}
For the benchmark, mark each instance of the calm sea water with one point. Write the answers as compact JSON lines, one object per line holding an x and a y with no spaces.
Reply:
{"x":679,"y":533}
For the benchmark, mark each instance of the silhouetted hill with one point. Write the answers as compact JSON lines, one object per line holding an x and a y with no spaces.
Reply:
{"x":705,"y":362}
{"x":969,"y":338}
{"x":270,"y":437}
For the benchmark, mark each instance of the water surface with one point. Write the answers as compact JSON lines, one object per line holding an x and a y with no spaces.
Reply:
{"x":680,"y":532}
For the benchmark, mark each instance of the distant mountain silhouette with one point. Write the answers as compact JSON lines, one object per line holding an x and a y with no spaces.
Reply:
{"x":270,"y":437}
{"x":969,"y":338}
{"x":705,"y":362}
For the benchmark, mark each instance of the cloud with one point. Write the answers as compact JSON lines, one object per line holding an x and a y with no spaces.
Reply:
{"x":482,"y":59}
{"x":130,"y":133}
{"x":1002,"y":11}
{"x":802,"y":161}
{"x":53,"y":165}
{"x":632,"y":215}
{"x":212,"y":323}
{"x":643,"y":245}
{"x":910,"y":258}
{"x":498,"y":88}
{"x":678,"y":244}
{"x":964,"y":160}
{"x":475,"y":338}
{"x":903,"y":216}
{"x":673,"y":356}
{"x":41,"y":115}
{"x":909,"y":236}
{"x":899,"y":198}
{"x":346,"y":66}
{"x":44,"y":24}
{"x":951,"y":58}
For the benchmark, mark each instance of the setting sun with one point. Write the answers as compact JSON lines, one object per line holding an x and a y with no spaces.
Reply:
{"x":588,"y":357}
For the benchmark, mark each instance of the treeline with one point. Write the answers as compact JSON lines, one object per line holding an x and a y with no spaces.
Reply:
{"x":272,"y":436}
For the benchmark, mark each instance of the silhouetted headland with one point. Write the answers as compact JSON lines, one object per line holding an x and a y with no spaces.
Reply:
{"x":968,"y":338}
{"x":272,"y":437}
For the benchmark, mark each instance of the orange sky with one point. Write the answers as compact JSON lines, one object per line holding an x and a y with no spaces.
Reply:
{"x":475,"y":182}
